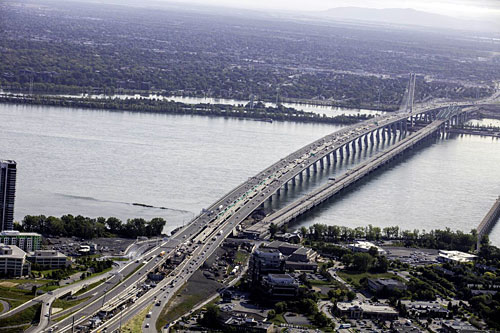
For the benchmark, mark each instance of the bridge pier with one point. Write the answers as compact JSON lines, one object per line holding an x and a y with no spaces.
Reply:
{"x":371,"y":138}
{"x":308,"y":171}
{"x":301,"y":176}
{"x":321,"y":164}
{"x":278,"y":192}
{"x":328,"y":161}
{"x":341,"y":153}
{"x":315,"y":167}
{"x":347,"y":150}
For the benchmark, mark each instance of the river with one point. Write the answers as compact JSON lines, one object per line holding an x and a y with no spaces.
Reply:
{"x":97,"y":163}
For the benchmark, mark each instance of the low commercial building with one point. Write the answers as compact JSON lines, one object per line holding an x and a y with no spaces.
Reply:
{"x":296,"y":257}
{"x":13,"y":261}
{"x":378,"y":285}
{"x":26,"y":241}
{"x":285,"y":248}
{"x":303,"y":254}
{"x":404,"y":327}
{"x":239,"y":324}
{"x":455,"y":326}
{"x":359,"y":310}
{"x":50,"y":259}
{"x":422,"y":309}
{"x":364,"y":246}
{"x":280,"y":285}
{"x":455,"y":257}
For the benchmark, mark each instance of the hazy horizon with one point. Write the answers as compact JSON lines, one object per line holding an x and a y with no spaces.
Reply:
{"x":465,"y":9}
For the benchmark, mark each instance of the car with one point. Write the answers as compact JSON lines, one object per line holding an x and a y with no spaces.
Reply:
{"x":147,"y":325}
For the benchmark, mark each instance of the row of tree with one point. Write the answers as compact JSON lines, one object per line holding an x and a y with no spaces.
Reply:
{"x":88,"y":228}
{"x":446,"y":239}
{"x":259,"y":112}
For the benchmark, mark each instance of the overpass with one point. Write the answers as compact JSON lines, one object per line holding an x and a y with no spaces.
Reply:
{"x":202,"y":236}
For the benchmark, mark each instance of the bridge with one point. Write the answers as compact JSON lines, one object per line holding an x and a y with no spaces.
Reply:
{"x":204,"y":234}
{"x":488,"y":222}
{"x":333,"y":187}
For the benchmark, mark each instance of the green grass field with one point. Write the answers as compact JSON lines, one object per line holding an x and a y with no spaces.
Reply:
{"x":354,"y":278}
{"x":30,"y":314}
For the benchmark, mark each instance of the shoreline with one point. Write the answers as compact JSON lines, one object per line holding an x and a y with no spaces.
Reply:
{"x":265,"y":114}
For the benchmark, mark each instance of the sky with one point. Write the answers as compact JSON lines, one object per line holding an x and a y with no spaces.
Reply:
{"x":469,"y":9}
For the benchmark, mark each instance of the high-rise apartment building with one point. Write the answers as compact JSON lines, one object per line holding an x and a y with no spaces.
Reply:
{"x":7,"y":193}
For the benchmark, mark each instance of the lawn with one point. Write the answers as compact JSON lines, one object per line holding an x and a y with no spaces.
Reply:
{"x":354,"y":277}
{"x":135,"y":324}
{"x":241,"y":257}
{"x":30,"y":314}
{"x":18,"y":329}
{"x":89,"y":287}
{"x":169,"y":312}
{"x":66,"y":304}
{"x":278,"y":319}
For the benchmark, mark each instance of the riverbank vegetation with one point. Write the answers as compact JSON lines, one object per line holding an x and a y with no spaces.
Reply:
{"x":258,"y":112}
{"x":446,"y":239}
{"x":88,"y":228}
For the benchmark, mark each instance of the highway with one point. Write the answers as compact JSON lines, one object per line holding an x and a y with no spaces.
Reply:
{"x":333,"y":187}
{"x":207,"y":230}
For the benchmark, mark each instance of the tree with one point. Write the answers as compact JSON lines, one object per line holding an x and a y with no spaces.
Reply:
{"x":157,"y":225}
{"x":34,"y":290}
{"x":362,"y":262}
{"x":280,"y":307}
{"x":271,"y":314}
{"x":373,"y":251}
{"x":114,"y":225}
{"x":211,"y":316}
{"x":321,"y":320}
{"x":273,"y":229}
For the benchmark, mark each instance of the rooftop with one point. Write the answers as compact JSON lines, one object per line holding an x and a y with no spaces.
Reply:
{"x":11,"y":251}
{"x":456,"y":256}
{"x":366,"y":307}
{"x":18,"y":233}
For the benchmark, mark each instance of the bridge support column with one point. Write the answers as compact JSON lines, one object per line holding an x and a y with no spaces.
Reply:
{"x":315,"y":167}
{"x":328,"y":160}
{"x":321,"y":164}
{"x":341,"y":153}
{"x":388,"y":128}
{"x":353,"y":146}
{"x":278,"y":192}
{"x":334,"y":154}
{"x":308,"y":172}
{"x":286,"y":185}
{"x":371,"y":138}
{"x":347,"y":150}
{"x":301,"y":176}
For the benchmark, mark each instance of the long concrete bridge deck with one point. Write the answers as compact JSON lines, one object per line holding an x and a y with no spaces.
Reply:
{"x":316,"y":197}
{"x":488,"y":221}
